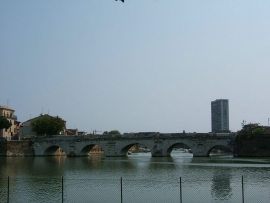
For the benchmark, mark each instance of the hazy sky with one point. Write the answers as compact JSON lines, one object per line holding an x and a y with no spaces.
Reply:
{"x":142,"y":65}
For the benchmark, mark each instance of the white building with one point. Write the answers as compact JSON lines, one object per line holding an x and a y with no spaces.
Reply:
{"x":26,"y":130}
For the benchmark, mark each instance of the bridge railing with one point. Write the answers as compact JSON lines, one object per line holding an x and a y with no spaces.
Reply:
{"x":119,"y":190}
{"x":140,"y":135}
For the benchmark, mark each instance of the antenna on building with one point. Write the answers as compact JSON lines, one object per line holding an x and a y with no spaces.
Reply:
{"x":7,"y":103}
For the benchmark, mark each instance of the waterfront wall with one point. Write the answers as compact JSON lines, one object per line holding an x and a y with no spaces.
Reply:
{"x":25,"y":148}
{"x":253,"y":146}
{"x":3,"y":147}
{"x":19,"y":148}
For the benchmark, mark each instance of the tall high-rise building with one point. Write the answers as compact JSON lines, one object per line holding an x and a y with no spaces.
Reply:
{"x":220,"y":115}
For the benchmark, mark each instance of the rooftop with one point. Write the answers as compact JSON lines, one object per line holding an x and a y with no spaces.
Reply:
{"x":5,"y":107}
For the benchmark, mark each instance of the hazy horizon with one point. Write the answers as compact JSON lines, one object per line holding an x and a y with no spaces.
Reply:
{"x":136,"y":66}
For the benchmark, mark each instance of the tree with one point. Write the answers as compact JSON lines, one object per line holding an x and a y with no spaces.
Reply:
{"x":259,"y":131}
{"x":48,"y":125}
{"x":112,"y":132}
{"x":4,"y":123}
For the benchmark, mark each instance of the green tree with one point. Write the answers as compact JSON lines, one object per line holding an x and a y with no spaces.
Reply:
{"x":112,"y":132}
{"x":48,"y":125}
{"x":259,"y":131}
{"x":4,"y":123}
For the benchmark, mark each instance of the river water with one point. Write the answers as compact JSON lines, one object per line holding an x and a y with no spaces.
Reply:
{"x":136,"y":178}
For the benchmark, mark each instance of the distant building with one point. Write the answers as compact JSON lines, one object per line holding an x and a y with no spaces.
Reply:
{"x":75,"y":132}
{"x":72,"y":131}
{"x":82,"y":133}
{"x":12,"y":132}
{"x":220,"y":115}
{"x":26,"y":128}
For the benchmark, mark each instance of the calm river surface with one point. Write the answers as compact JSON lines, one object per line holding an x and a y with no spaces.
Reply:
{"x":144,"y":179}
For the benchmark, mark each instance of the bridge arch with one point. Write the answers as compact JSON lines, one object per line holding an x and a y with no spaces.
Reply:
{"x":219,"y":150}
{"x":144,"y":147}
{"x":52,"y":151}
{"x":88,"y":148}
{"x":126,"y":148}
{"x":181,"y":145}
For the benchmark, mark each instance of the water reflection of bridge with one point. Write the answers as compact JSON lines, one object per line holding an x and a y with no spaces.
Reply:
{"x":160,"y":144}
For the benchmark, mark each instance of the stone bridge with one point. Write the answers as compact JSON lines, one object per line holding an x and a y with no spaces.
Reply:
{"x":160,"y":144}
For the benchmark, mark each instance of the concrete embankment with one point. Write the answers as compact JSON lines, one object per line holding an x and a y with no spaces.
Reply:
{"x":25,"y":148}
{"x":3,"y":147}
{"x":16,"y":148}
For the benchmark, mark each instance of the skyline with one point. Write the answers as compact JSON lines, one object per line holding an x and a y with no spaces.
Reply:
{"x":138,"y":66}
{"x":220,"y":115}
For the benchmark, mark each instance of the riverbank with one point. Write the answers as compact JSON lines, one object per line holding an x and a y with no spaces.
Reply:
{"x":245,"y":146}
{"x":16,"y":148}
{"x":24,"y":148}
